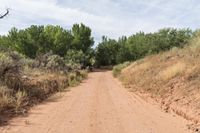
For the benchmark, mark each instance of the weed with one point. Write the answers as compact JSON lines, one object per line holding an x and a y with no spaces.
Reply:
{"x":20,"y":96}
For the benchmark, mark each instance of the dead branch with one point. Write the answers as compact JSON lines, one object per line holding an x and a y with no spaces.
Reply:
{"x":7,"y":12}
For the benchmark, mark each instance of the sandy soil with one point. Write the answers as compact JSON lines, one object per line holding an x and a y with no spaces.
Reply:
{"x":99,"y":105}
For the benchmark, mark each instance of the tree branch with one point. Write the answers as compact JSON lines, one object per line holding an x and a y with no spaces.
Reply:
{"x":7,"y":12}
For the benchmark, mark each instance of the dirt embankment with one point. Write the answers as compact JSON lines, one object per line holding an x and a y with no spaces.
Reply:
{"x":171,"y":78}
{"x":99,"y":105}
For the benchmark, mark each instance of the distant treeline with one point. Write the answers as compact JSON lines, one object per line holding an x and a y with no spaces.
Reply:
{"x":111,"y":52}
{"x":76,"y":44}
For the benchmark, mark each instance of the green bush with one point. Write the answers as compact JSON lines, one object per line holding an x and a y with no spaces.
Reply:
{"x":55,"y":62}
{"x":5,"y":63}
{"x":51,"y":62}
{"x":73,"y":80}
{"x":10,"y":69}
{"x":76,"y":77}
{"x":118,"y":68}
{"x":83,"y":74}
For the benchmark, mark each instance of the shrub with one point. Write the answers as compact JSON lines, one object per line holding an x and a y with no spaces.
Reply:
{"x":73,"y":79}
{"x":76,"y":77}
{"x":118,"y":68}
{"x":55,"y":62}
{"x":83,"y":74}
{"x":73,"y":66}
{"x":51,"y":62}
{"x":10,"y":69}
{"x":6,"y":63}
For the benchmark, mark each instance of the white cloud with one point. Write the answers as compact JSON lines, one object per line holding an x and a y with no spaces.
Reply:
{"x":106,"y":17}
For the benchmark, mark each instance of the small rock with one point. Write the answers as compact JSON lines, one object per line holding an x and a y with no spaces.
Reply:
{"x":196,"y":130}
{"x":26,"y":122}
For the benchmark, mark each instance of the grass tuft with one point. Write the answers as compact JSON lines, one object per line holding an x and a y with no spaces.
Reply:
{"x":172,"y":71}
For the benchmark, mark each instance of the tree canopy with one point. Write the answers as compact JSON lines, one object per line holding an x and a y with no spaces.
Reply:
{"x":111,"y":52}
{"x":37,"y":40}
{"x":76,"y":44}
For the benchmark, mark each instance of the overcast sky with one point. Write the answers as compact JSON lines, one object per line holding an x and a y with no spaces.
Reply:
{"x":113,"y":18}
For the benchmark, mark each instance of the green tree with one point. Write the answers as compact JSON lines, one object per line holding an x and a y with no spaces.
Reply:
{"x":82,"y":39}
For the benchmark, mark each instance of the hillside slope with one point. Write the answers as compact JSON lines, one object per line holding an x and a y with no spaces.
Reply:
{"x":171,"y":78}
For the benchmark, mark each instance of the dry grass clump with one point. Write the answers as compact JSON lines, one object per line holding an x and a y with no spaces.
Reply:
{"x":5,"y":97}
{"x":172,"y":71}
{"x":137,"y":72}
{"x":9,"y":100}
{"x":20,"y":100}
{"x":141,"y":66}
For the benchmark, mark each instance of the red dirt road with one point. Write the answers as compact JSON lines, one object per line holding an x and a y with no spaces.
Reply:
{"x":99,"y":105}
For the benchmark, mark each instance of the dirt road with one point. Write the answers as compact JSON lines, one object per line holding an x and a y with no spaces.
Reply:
{"x":99,"y":105}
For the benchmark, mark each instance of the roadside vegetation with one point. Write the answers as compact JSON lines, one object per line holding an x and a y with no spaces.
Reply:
{"x":39,"y":61}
